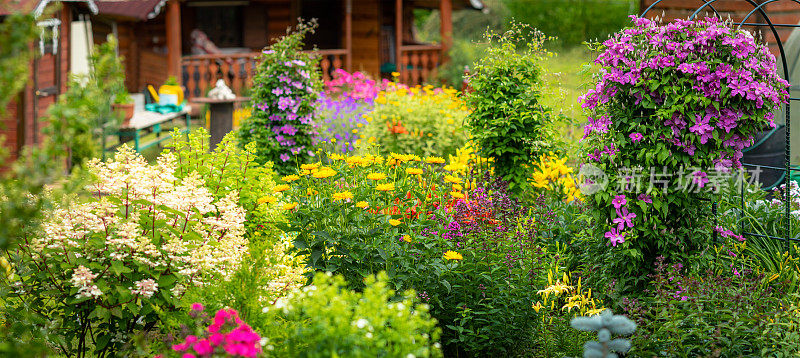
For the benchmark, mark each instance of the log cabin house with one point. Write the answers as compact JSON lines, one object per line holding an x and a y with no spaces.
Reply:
{"x":159,"y":38}
{"x":60,"y":50}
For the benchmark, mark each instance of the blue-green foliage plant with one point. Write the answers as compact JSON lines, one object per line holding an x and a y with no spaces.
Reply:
{"x":605,"y":324}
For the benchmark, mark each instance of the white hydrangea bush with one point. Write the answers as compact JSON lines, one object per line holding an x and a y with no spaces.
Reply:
{"x":126,"y":253}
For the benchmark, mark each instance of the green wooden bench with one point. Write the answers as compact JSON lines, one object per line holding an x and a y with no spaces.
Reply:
{"x":146,"y":122}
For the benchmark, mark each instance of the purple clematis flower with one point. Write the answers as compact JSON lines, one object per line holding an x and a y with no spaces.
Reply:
{"x":615,"y":237}
{"x":619,"y":201}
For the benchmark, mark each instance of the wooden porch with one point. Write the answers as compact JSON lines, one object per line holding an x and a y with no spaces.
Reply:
{"x":372,"y":36}
{"x":416,"y":63}
{"x":201,"y":72}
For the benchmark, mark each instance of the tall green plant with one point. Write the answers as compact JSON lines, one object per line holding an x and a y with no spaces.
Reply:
{"x":284,"y":91}
{"x":507,"y":120}
{"x":17,"y":31}
{"x":77,"y":121}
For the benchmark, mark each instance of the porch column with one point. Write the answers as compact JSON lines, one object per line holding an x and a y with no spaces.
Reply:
{"x":446,"y":28}
{"x":174,"y":39}
{"x":398,"y":33}
{"x":348,"y":34}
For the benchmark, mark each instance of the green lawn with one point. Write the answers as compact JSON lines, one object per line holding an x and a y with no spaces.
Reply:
{"x":564,"y":85}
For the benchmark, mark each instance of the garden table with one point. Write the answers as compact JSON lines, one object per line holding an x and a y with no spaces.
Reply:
{"x":221,"y":121}
{"x":150,"y":121}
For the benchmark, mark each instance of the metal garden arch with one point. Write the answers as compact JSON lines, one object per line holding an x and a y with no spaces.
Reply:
{"x":707,"y":6}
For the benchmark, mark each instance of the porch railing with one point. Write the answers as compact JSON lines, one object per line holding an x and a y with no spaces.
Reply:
{"x":418,"y":63}
{"x":201,"y":72}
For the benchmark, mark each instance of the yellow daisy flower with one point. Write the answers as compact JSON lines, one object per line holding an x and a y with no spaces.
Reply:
{"x":376,"y":176}
{"x":290,"y":178}
{"x":342,"y":195}
{"x":394,"y":222}
{"x":309,"y":167}
{"x":434,"y":160}
{"x":289,"y":206}
{"x":362,"y":204}
{"x":413,"y":171}
{"x":266,"y":199}
{"x":452,"y":255}
{"x":385,"y":187}
{"x":406,"y":238}
{"x":324,"y":173}
{"x":280,"y":188}
{"x":457,"y":195}
{"x":452,"y":179}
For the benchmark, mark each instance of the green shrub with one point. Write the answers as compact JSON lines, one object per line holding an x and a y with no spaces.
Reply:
{"x":109,"y":266}
{"x":235,"y":169}
{"x":507,"y":120}
{"x":327,"y":319}
{"x":782,"y":333}
{"x":605,"y":324}
{"x":284,"y":91}
{"x":714,"y":306}
{"x":420,"y":120}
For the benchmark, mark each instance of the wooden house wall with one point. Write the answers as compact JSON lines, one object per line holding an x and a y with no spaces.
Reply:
{"x":18,"y":124}
{"x":366,"y":36}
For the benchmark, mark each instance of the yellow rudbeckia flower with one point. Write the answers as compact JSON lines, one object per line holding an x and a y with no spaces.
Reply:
{"x":342,"y":195}
{"x":290,"y":178}
{"x":452,"y":255}
{"x":434,"y":160}
{"x":385,"y":187}
{"x":280,"y":188}
{"x":376,"y":176}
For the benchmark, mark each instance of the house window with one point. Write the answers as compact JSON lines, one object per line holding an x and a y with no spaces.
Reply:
{"x":222,"y":24}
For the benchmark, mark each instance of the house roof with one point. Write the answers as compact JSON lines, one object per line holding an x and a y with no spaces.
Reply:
{"x":457,"y":4}
{"x":148,"y":9}
{"x":37,"y":6}
{"x":133,"y":9}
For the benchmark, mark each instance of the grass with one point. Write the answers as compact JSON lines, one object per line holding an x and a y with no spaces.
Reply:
{"x":564,"y":84}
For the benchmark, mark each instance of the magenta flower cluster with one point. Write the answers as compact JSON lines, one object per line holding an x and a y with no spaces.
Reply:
{"x":690,"y":93}
{"x":354,"y":85}
{"x":624,"y":219}
{"x":733,"y":79}
{"x":227,"y":335}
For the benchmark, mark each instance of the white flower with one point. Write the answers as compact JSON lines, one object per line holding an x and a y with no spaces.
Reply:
{"x":411,"y":355}
{"x":146,"y":287}
{"x":361,"y":323}
{"x":368,"y":335}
